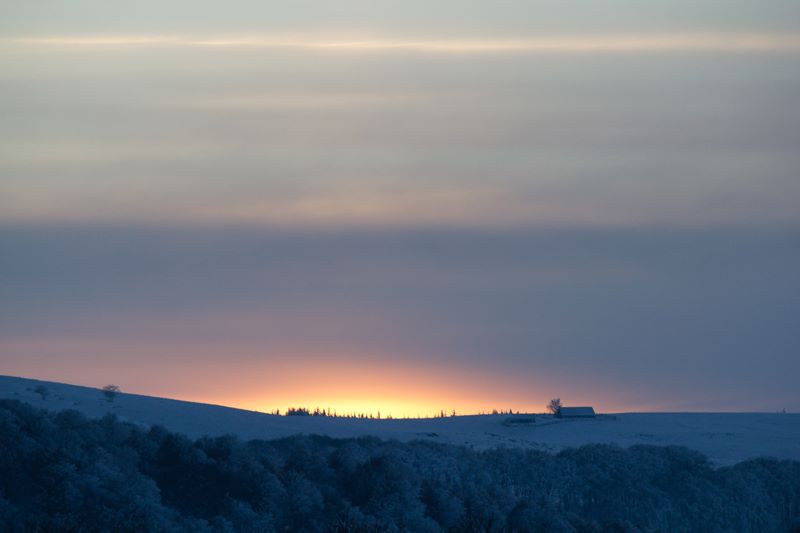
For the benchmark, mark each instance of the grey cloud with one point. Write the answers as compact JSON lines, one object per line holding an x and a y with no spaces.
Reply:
{"x":694,"y":312}
{"x":400,"y":17}
{"x":605,"y":140}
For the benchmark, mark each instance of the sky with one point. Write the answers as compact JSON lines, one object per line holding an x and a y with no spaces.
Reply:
{"x":404,"y":206}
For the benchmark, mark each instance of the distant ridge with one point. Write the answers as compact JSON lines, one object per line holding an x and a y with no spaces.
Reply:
{"x":726,"y":438}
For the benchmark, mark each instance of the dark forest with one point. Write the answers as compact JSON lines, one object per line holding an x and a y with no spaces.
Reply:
{"x":65,"y":472}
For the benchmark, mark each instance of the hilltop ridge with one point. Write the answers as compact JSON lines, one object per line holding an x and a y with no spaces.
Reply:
{"x":726,"y":438}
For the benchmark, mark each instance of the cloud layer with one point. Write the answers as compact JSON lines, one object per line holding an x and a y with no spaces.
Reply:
{"x":619,"y":43}
{"x":622,"y":318}
{"x":365,"y":203}
{"x":292,"y":137}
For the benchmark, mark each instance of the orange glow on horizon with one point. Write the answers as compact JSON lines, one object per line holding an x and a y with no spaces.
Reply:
{"x":345,"y":384}
{"x":385,"y":388}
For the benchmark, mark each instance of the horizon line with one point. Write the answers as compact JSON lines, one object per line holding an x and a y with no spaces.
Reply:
{"x":389,"y":416}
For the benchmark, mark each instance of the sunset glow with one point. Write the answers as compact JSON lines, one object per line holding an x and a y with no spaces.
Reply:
{"x":350,"y":385}
{"x":406,"y":208}
{"x":399,"y":265}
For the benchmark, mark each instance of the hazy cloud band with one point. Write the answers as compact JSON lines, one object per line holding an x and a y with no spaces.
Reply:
{"x":711,"y":42}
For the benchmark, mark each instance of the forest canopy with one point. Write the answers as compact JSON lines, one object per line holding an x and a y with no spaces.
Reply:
{"x":65,"y":472}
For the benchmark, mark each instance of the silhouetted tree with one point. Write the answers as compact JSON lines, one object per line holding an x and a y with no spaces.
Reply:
{"x":554,"y":406}
{"x":110,"y":392}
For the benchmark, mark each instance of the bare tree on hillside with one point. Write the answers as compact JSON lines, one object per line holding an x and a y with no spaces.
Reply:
{"x":554,"y":406}
{"x":110,"y":392}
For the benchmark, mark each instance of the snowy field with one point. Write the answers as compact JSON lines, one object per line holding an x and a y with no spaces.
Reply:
{"x":726,"y":438}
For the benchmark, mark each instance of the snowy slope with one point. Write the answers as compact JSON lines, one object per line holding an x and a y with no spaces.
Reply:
{"x":725,"y":438}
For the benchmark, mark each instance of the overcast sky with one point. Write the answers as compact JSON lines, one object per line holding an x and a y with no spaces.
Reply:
{"x":414,"y":205}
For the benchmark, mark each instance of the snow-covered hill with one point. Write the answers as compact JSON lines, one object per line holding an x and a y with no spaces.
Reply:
{"x":725,"y":438}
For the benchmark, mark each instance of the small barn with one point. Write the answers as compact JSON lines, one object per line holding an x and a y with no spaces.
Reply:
{"x":576,"y":412}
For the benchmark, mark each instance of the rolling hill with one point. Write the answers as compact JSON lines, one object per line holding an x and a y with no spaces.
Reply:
{"x":726,"y":438}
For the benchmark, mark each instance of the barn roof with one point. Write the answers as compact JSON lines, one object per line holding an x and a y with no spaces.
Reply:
{"x":576,"y":411}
